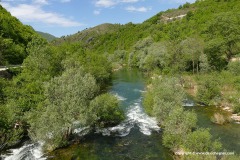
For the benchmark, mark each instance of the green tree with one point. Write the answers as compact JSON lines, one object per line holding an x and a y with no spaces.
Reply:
{"x":201,"y":141}
{"x":178,"y":125}
{"x":165,"y":95}
{"x":234,"y":68}
{"x":223,"y":37}
{"x":209,"y":90}
{"x":67,"y":101}
{"x":204,"y":64}
{"x":193,"y":49}
{"x":106,"y":108}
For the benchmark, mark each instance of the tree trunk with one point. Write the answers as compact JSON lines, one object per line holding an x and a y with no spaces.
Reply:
{"x":197,"y":67}
{"x":193,"y":65}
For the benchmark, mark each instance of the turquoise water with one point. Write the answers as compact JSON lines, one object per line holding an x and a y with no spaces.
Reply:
{"x":136,"y":138}
{"x":228,"y":134}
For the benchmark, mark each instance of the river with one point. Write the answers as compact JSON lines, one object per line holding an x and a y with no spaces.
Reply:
{"x":136,"y":138}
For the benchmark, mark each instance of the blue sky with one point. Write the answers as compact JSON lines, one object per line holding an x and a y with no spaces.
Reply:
{"x":64,"y":17}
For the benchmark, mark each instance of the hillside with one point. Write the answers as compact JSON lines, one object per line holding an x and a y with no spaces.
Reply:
{"x":47,"y":36}
{"x":89,"y":34}
{"x":66,"y":85}
{"x":14,"y":37}
{"x":202,"y":21}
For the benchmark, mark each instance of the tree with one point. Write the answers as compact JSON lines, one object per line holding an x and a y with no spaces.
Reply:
{"x":209,"y":90}
{"x":26,"y":89}
{"x":178,"y":125}
{"x":201,"y":141}
{"x":193,"y":49}
{"x":203,"y":63}
{"x":234,"y":68}
{"x":175,"y":60}
{"x":106,"y":109}
{"x":165,"y":96}
{"x":223,"y":37}
{"x":67,"y":102}
{"x":155,"y":57}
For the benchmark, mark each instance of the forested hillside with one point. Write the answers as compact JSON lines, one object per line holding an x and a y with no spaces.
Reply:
{"x":47,"y":36}
{"x":62,"y":84}
{"x":209,"y":27}
{"x":14,"y":37}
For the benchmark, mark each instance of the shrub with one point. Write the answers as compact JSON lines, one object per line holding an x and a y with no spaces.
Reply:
{"x":234,"y":68}
{"x":107,"y":110}
{"x":209,"y":90}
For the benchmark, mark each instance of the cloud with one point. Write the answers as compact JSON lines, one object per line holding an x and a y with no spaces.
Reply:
{"x":36,"y":13}
{"x":129,"y":1}
{"x":111,"y":3}
{"x":96,"y":12}
{"x":65,"y":1}
{"x":105,"y":3}
{"x":177,"y":1}
{"x":137,"y":9}
{"x":41,"y":2}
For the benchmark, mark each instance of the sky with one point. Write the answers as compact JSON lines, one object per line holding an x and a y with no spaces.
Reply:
{"x":65,"y":17}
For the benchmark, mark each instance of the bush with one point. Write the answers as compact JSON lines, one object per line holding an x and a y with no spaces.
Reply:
{"x":209,"y":90}
{"x":107,"y":110}
{"x":234,"y":68}
{"x":200,"y":141}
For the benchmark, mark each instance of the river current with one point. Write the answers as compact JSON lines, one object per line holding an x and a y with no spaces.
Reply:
{"x":138,"y":137}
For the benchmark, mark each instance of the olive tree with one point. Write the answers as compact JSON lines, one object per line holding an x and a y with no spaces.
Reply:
{"x":67,"y":101}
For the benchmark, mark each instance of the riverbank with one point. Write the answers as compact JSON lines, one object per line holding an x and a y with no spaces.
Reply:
{"x":191,"y":85}
{"x":227,"y":134}
{"x":124,"y":141}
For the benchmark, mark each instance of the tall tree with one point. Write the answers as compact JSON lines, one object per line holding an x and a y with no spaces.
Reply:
{"x":67,"y":102}
{"x":223,"y":36}
{"x":193,"y":49}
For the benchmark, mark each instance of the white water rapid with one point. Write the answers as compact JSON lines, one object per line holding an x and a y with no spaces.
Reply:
{"x":26,"y":152}
{"x":135,"y":116}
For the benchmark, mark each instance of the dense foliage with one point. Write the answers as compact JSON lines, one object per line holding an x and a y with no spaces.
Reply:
{"x":61,"y":84}
{"x":14,"y":37}
{"x":205,"y":38}
{"x":56,"y":89}
{"x":164,"y":100}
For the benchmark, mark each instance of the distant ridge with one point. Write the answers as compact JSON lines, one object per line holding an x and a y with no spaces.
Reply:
{"x":46,"y":36}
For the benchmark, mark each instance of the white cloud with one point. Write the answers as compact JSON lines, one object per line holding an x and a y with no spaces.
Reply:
{"x":65,"y":1}
{"x":35,"y":13}
{"x":105,"y":3}
{"x":96,"y":12}
{"x":137,"y":9}
{"x":129,"y":1}
{"x":111,"y":3}
{"x":177,"y":1}
{"x":41,"y":2}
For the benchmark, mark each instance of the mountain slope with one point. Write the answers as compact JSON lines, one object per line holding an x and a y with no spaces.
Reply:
{"x":213,"y":23}
{"x":47,"y":36}
{"x":14,"y":37}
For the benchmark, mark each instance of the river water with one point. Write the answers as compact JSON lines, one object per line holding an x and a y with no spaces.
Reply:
{"x":136,"y":138}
